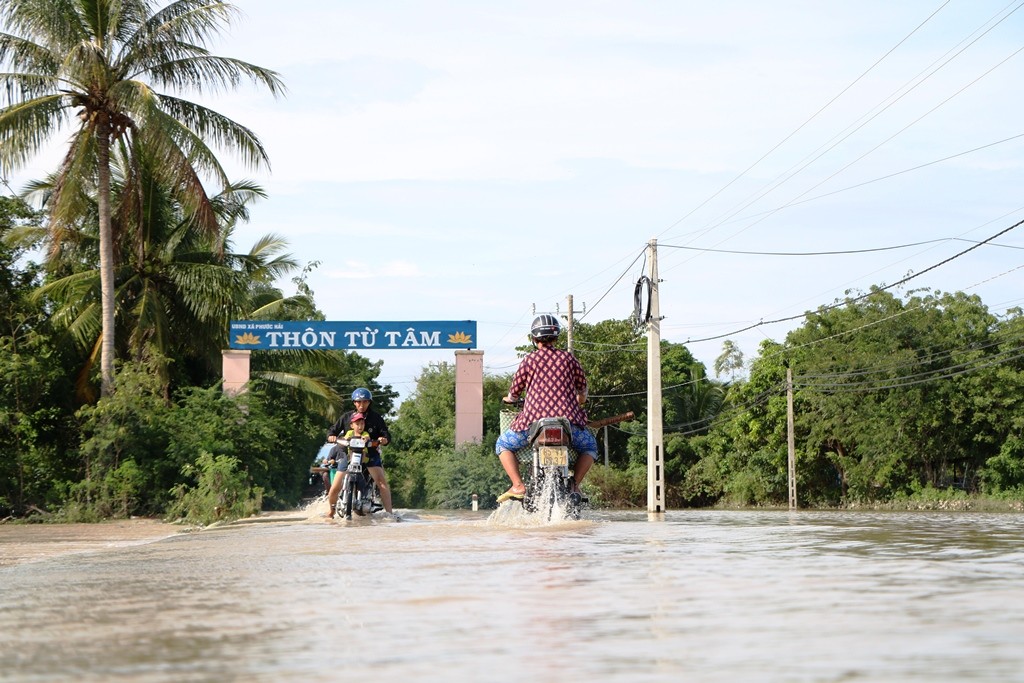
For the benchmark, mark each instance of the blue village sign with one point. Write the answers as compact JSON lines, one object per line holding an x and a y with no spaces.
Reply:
{"x":352,"y":336}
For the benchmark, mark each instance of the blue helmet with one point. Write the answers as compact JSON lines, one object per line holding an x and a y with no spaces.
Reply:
{"x":362,"y":394}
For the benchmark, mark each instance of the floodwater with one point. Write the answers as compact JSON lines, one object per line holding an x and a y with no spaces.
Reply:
{"x":496,"y":595}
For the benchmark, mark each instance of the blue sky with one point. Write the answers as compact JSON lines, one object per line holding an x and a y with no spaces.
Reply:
{"x":476,"y":160}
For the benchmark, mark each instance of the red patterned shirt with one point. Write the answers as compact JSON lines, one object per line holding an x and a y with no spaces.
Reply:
{"x":551,"y":378}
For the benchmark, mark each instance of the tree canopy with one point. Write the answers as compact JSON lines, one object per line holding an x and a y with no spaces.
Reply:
{"x":112,"y":70}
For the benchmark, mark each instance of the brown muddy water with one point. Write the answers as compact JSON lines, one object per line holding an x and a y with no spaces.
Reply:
{"x":498,"y":595}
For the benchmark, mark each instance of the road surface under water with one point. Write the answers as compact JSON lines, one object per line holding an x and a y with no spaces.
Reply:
{"x":497,"y":595}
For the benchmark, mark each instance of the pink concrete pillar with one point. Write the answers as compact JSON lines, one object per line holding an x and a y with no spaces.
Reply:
{"x":469,"y":396}
{"x":235,"y":371}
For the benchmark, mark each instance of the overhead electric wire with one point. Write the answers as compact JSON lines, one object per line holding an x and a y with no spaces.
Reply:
{"x":706,"y":423}
{"x":637,"y":343}
{"x":829,"y":103}
{"x":863,"y":296}
{"x":961,"y":369}
{"x":644,"y":393}
{"x":991,"y":244}
{"x":805,"y":253}
{"x":617,"y":280}
{"x":804,"y":124}
{"x":850,"y":164}
{"x":918,"y":361}
{"x":878,"y":179}
{"x":789,"y":349}
{"x":901,"y":130}
{"x":827,"y":147}
{"x":760,"y":323}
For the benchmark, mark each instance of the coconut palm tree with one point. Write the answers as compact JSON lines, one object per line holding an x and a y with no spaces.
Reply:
{"x":177,"y":282}
{"x":174,"y":281}
{"x":101,"y":66}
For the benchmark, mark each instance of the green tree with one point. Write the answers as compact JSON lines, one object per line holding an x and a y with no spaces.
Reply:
{"x":730,"y":360}
{"x":893,"y":396}
{"x":173,"y":282}
{"x":35,"y":396}
{"x":888,"y":389}
{"x":102,"y":63}
{"x":425,"y":467}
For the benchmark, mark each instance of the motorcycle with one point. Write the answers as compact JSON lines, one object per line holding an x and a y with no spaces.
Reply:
{"x":359,"y":492}
{"x":550,"y":485}
{"x":323,"y":469}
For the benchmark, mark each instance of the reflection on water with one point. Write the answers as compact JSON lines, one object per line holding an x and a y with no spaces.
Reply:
{"x":460,"y":596}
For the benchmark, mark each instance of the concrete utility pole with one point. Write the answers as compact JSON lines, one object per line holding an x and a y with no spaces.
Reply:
{"x":790,"y":438}
{"x":655,"y":434}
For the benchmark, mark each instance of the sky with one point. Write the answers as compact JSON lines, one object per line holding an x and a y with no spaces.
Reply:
{"x":484,"y":161}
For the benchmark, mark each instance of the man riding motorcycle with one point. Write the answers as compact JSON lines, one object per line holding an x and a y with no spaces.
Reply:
{"x":555,"y":386}
{"x":378,"y":431}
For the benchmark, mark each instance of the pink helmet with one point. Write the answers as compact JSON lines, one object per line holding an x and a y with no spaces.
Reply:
{"x":356,"y":416}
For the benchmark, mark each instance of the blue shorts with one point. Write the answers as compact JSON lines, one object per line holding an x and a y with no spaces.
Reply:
{"x":583,"y":441}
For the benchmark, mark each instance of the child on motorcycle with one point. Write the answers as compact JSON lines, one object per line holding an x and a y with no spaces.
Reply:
{"x":378,"y":430}
{"x":357,"y":429}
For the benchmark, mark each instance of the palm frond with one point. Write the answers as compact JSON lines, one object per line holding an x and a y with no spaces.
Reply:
{"x":208,"y":124}
{"x":24,"y":236}
{"x":317,"y":395}
{"x":152,"y":325}
{"x":56,"y":23}
{"x":279,"y":306}
{"x":26,"y":126}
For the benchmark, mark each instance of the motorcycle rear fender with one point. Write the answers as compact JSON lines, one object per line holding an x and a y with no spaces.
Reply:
{"x":537,"y":431}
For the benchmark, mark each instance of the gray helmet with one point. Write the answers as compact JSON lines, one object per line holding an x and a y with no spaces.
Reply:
{"x":545,"y":328}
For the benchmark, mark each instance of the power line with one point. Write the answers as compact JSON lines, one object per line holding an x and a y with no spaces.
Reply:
{"x":789,"y":349}
{"x":918,"y":362}
{"x":617,"y":280}
{"x":802,"y":125}
{"x":959,"y":369}
{"x":761,"y":323}
{"x":779,"y":180}
{"x":875,"y":180}
{"x":806,"y":253}
{"x":706,"y":423}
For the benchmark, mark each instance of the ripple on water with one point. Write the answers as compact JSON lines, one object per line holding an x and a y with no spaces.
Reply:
{"x":460,"y":595}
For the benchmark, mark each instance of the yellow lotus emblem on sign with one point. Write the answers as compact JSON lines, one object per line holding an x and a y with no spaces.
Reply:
{"x":247,"y":338}
{"x":460,"y":338}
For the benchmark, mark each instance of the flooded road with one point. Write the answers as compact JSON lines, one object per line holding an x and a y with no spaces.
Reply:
{"x":460,"y":596}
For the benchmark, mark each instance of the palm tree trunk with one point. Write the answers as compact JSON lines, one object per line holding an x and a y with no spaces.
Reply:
{"x":106,"y":261}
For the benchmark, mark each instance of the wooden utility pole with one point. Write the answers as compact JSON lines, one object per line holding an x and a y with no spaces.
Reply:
{"x":655,"y":435}
{"x":790,"y":438}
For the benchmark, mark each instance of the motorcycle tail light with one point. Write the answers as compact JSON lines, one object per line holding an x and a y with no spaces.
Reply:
{"x":551,"y":436}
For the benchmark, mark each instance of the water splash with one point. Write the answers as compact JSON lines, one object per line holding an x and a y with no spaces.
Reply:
{"x":550,"y":511}
{"x":317,"y":508}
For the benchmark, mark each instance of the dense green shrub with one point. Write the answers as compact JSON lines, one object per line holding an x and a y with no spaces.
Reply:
{"x":222,"y":492}
{"x":453,"y":475}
